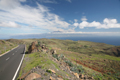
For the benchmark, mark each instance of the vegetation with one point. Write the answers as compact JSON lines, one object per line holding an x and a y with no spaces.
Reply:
{"x":6,"y":46}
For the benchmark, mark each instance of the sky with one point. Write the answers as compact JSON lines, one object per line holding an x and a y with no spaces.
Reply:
{"x":23,"y":17}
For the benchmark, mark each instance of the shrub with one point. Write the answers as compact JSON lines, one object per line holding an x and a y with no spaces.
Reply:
{"x":3,"y":41}
{"x":49,"y":71}
{"x":56,"y":56}
{"x":77,"y":69}
{"x":61,"y":56}
{"x":85,"y":46}
{"x":74,"y":69}
{"x":98,"y":77}
{"x":11,"y":45}
{"x":39,"y":43}
{"x":69,"y":63}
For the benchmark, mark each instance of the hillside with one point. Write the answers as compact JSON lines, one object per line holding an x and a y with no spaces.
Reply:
{"x":71,"y":60}
{"x":6,"y":46}
{"x":96,"y":60}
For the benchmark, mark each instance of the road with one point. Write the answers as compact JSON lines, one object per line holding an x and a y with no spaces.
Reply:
{"x":9,"y":63}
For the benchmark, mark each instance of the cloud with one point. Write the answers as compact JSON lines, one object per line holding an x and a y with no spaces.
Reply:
{"x":9,"y":24}
{"x":75,"y":24}
{"x":75,"y":20}
{"x":69,"y":1}
{"x":70,"y":21}
{"x":91,"y":33}
{"x":107,"y":23}
{"x":48,"y":1}
{"x":84,"y":18}
{"x":40,"y":16}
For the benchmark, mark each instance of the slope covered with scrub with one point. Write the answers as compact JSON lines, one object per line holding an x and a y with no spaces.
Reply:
{"x":97,"y":60}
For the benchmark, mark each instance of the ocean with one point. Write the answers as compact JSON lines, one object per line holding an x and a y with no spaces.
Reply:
{"x":108,"y":40}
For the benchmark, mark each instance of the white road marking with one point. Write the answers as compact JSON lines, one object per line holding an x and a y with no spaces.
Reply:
{"x":7,"y":58}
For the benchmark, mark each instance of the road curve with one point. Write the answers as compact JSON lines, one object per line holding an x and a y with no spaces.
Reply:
{"x":10,"y":62}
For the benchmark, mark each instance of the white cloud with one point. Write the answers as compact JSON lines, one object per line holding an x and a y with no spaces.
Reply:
{"x":9,"y":24}
{"x":70,"y":21}
{"x":48,"y":1}
{"x":92,"y":33}
{"x":22,"y":0}
{"x":75,"y":20}
{"x":40,"y":16}
{"x":69,"y":1}
{"x":107,"y":23}
{"x":84,"y":18}
{"x":75,"y":24}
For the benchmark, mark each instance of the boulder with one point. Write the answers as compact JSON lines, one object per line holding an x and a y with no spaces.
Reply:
{"x":76,"y":74}
{"x":32,"y":48}
{"x":51,"y":78}
{"x":59,"y":79}
{"x":32,"y":76}
{"x":81,"y":76}
{"x":52,"y":51}
{"x":43,"y":46}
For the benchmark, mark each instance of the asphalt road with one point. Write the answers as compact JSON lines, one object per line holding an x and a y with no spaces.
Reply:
{"x":10,"y":62}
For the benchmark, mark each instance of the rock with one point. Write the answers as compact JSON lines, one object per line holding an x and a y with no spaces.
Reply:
{"x":59,"y":79}
{"x":43,"y":46}
{"x":76,"y":74}
{"x":51,"y":78}
{"x":90,"y":78}
{"x":36,"y":42}
{"x":52,"y":51}
{"x":60,"y":76}
{"x":52,"y":70}
{"x":67,"y":75}
{"x":68,"y":68}
{"x":32,"y":76}
{"x":32,"y":48}
{"x":81,"y":76}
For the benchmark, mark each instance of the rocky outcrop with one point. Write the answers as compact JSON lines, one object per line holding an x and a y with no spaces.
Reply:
{"x":32,"y":48}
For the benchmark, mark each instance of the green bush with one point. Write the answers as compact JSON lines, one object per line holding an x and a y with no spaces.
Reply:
{"x":74,"y":69}
{"x":49,"y":71}
{"x":98,"y":77}
{"x":85,"y":46}
{"x":77,"y":69}
{"x":69,"y":63}
{"x":56,"y":56}
{"x":61,"y":56}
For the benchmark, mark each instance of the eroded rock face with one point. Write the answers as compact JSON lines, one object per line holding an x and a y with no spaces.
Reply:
{"x":32,"y":48}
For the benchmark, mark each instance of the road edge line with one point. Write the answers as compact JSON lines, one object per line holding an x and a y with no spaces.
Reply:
{"x":19,"y":65}
{"x":8,"y":51}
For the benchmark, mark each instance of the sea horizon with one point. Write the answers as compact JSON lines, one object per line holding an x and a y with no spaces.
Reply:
{"x":112,"y":40}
